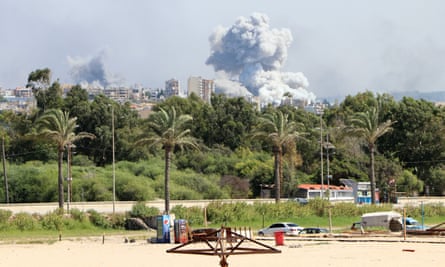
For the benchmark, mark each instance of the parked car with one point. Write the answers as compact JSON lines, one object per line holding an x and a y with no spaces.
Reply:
{"x":356,"y":225}
{"x":301,"y":200}
{"x":413,"y":224}
{"x":313,"y":231}
{"x":289,"y":228}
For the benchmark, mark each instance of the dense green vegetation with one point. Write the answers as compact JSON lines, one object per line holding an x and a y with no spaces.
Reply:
{"x":235,"y":153}
{"x":315,"y":213}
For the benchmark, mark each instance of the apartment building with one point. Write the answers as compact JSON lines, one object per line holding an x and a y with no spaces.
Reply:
{"x":201,"y":87}
{"x":172,"y":88}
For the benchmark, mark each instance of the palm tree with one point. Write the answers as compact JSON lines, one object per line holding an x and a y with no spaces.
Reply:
{"x":57,"y":126}
{"x":5,"y":130}
{"x":169,"y":131}
{"x":282,"y":133}
{"x":366,"y":125}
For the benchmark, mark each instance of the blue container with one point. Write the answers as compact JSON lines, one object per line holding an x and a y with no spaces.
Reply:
{"x":163,"y":229}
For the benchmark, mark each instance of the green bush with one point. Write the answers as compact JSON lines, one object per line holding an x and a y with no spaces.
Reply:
{"x":52,"y":221}
{"x":244,"y":212}
{"x":429,"y":210}
{"x":118,"y":220}
{"x":99,"y":220}
{"x":184,"y":193}
{"x":220,"y":213}
{"x":193,"y":215}
{"x":24,"y":222}
{"x":141,"y":210}
{"x":432,"y":210}
{"x":4,"y":216}
{"x":187,"y":184}
{"x":133,"y":188}
{"x":78,"y":215}
{"x":319,"y":206}
{"x":345,"y":209}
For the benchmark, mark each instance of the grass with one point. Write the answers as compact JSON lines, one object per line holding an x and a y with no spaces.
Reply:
{"x":339,"y":224}
{"x":48,"y":236}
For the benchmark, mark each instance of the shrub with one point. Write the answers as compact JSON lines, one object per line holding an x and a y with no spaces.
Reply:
{"x":345,"y":209}
{"x":434,"y":210}
{"x":118,"y":220}
{"x":180,"y":192}
{"x":78,"y":215}
{"x":53,"y":221}
{"x":193,"y":215}
{"x":99,"y":220}
{"x":4,"y":219}
{"x":4,"y":216}
{"x":24,"y":221}
{"x":429,"y":210}
{"x":133,"y":188}
{"x":141,"y":210}
{"x":319,"y":206}
{"x":218,"y":212}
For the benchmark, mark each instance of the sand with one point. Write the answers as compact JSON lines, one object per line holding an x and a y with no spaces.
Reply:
{"x":113,"y":251}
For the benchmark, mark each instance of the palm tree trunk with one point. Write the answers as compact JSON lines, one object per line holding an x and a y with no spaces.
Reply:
{"x":60,"y":178}
{"x":4,"y":171}
{"x":167,"y":179}
{"x":372,"y":174}
{"x":277,"y":167}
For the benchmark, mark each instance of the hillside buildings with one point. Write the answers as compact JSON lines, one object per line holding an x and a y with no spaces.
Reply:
{"x":21,"y":99}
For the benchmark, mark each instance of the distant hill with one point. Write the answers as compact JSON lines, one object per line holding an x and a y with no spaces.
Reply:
{"x":437,"y":96}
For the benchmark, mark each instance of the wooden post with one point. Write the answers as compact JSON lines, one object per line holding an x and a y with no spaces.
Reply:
{"x":330,"y":220}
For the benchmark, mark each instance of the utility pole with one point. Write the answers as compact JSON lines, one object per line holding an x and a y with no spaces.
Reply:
{"x":114,"y":170}
{"x":320,"y":112}
{"x":328,"y":146}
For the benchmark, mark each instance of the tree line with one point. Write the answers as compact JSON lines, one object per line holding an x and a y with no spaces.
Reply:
{"x":396,"y":145}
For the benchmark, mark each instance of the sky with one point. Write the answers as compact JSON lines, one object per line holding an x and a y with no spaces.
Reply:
{"x":316,"y":48}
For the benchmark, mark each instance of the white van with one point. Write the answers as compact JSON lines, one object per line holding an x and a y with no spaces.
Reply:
{"x":388,"y":219}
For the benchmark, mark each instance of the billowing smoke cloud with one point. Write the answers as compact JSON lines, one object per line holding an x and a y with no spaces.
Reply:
{"x":91,"y":71}
{"x":251,"y":54}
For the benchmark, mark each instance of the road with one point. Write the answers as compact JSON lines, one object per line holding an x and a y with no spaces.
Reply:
{"x":124,"y":206}
{"x":119,"y":206}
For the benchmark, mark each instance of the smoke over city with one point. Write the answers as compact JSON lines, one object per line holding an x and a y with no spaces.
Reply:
{"x":250,"y":55}
{"x":91,"y":71}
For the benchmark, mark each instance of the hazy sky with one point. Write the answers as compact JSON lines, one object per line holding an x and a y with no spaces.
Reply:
{"x":341,"y":46}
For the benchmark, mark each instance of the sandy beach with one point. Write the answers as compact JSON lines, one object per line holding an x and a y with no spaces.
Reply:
{"x":113,"y":251}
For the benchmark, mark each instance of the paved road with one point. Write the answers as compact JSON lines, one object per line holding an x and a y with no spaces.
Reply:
{"x":119,"y":206}
{"x":123,"y":206}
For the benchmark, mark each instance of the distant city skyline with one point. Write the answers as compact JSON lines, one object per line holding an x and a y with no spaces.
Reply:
{"x":336,"y":47}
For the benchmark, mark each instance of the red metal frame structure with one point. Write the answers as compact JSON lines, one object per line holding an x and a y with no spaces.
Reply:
{"x":223,"y":243}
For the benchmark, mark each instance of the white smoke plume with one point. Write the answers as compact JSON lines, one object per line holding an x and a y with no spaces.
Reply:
{"x":251,"y":54}
{"x":91,"y":71}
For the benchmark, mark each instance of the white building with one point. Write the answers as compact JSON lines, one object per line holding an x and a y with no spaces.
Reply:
{"x":201,"y":87}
